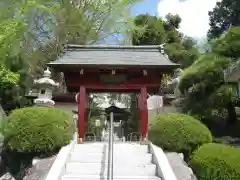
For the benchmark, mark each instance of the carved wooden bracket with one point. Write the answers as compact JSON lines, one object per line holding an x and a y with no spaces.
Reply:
{"x":145,"y":72}
{"x":82,"y":71}
{"x":113,"y":72}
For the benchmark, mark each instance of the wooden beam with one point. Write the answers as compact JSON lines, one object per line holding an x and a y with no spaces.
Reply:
{"x":117,"y":87}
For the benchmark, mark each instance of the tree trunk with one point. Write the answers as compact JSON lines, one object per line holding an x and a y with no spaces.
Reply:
{"x":232,"y":116}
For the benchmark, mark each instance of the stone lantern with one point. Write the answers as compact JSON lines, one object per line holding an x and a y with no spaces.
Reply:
{"x":45,"y":87}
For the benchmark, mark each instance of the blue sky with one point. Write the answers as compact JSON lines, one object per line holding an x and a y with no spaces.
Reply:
{"x":147,"y":6}
{"x":194,"y":13}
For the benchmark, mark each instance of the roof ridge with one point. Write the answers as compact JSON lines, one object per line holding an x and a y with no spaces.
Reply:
{"x":68,"y":47}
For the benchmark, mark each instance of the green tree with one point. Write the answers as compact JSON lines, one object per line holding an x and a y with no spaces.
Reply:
{"x":225,"y":13}
{"x":151,"y":32}
{"x":173,"y":20}
{"x":228,"y":44}
{"x":13,"y":52}
{"x":80,"y":22}
{"x":203,"y":82}
{"x":8,"y":86}
{"x":34,"y":32}
{"x":155,"y":31}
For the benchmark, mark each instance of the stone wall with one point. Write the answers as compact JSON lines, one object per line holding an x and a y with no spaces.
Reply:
{"x":164,"y":110}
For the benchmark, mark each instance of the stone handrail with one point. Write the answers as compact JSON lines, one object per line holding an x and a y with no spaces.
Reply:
{"x":63,"y":156}
{"x":164,"y":169}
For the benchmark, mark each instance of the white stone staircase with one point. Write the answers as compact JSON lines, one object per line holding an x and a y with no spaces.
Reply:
{"x":130,"y":162}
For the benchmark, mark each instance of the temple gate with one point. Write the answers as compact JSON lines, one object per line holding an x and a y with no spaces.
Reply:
{"x":129,"y":69}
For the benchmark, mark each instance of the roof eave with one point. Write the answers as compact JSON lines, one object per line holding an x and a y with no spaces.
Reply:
{"x":75,"y":47}
{"x":62,"y":65}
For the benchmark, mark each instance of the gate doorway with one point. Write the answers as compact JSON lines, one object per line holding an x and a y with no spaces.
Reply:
{"x":123,"y":69}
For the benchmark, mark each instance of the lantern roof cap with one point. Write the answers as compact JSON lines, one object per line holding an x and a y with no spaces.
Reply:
{"x":46,"y":79}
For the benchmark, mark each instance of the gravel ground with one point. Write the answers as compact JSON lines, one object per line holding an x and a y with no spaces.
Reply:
{"x":180,"y":168}
{"x":40,"y":170}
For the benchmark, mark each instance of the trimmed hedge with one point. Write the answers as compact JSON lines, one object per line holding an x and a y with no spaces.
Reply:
{"x":178,"y":133}
{"x":216,"y":162}
{"x":38,"y":130}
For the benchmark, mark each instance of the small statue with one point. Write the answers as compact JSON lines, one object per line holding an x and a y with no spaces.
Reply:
{"x":173,"y":83}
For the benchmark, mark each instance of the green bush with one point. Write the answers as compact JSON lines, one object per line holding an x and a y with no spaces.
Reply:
{"x":38,"y":129}
{"x":178,"y":133}
{"x":216,"y":162}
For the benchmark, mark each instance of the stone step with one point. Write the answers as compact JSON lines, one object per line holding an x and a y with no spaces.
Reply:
{"x":101,"y":168}
{"x":101,"y":144}
{"x":118,"y":158}
{"x":98,"y":177}
{"x":117,"y":144}
{"x":116,"y":149}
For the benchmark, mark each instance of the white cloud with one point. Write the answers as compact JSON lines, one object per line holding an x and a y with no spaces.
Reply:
{"x":194,"y":14}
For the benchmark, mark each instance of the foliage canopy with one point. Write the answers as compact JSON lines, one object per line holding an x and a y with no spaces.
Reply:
{"x":38,"y":129}
{"x":203,"y":82}
{"x":34,"y":32}
{"x":155,"y":31}
{"x":178,"y":133}
{"x":216,"y":161}
{"x":225,"y":14}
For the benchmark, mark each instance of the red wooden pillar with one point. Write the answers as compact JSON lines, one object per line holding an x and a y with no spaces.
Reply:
{"x":81,"y":111}
{"x":144,"y":112}
{"x":86,"y":112}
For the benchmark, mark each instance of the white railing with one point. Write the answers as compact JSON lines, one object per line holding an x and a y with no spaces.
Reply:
{"x":110,"y":149}
{"x":164,"y":169}
{"x":63,"y":156}
{"x":134,"y":136}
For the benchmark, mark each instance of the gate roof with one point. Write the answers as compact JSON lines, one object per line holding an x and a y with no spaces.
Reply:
{"x":113,"y":56}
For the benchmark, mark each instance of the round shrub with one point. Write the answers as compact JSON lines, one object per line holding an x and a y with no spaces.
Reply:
{"x":216,"y":162}
{"x":38,"y":129}
{"x":178,"y":133}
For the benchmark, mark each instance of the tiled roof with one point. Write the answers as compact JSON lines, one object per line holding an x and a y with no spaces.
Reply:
{"x":112,"y":55}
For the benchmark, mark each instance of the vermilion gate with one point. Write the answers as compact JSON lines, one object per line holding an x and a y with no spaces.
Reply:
{"x":91,"y":69}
